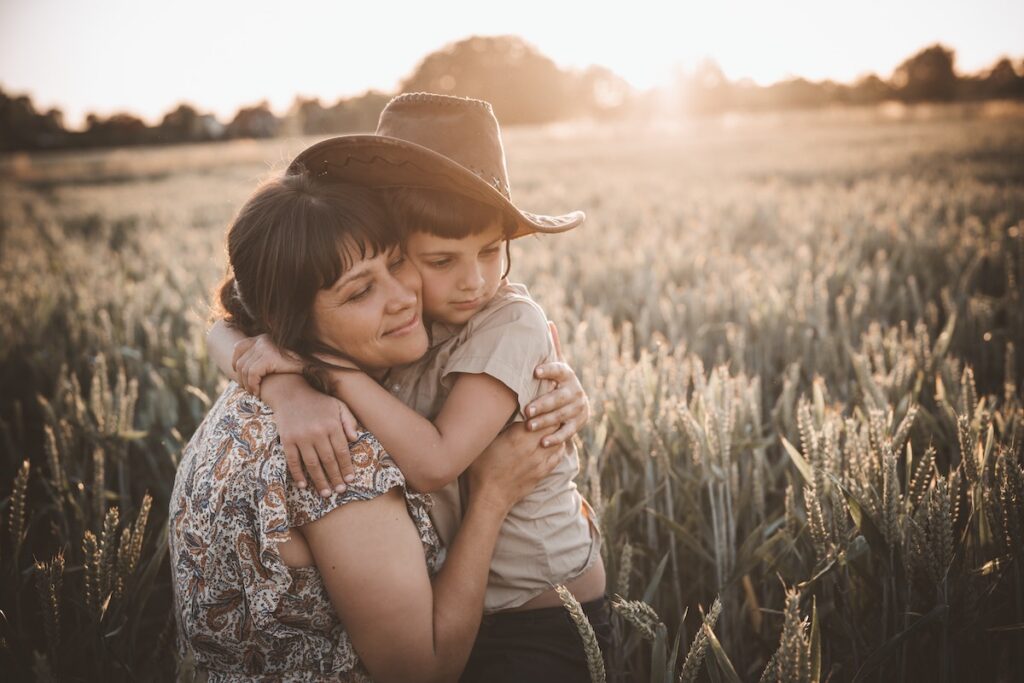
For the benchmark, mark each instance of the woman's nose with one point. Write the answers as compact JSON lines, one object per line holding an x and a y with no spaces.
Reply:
{"x":401,"y":295}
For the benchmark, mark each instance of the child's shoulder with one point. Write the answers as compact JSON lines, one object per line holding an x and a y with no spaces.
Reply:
{"x":511,"y":305}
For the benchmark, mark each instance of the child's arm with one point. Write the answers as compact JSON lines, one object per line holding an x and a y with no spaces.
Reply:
{"x":431,"y":455}
{"x":314,"y":428}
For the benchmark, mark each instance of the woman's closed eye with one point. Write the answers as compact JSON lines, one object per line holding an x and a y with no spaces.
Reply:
{"x":362,"y":293}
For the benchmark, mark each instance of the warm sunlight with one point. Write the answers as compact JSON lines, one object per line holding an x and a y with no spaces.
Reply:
{"x":145,"y":57}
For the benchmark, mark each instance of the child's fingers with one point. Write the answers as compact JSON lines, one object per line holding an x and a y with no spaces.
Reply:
{"x":349,"y":423}
{"x":343,"y":457}
{"x":240,"y":349}
{"x":329,"y":462}
{"x":316,"y":472}
{"x":291,"y":456}
{"x":245,"y":370}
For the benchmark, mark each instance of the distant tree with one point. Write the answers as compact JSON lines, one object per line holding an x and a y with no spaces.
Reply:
{"x":927,"y":76}
{"x":116,"y":131}
{"x":523,"y":85}
{"x":705,"y":90}
{"x":602,"y":94}
{"x":22,"y":127}
{"x":254,"y":122}
{"x":869,"y":89}
{"x":184,"y":124}
{"x":1003,"y":81}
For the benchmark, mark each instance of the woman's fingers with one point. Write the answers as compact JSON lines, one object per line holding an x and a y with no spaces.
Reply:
{"x":554,"y":338}
{"x":316,"y":472}
{"x":560,"y":436}
{"x":329,"y":461}
{"x":291,"y":456}
{"x":553,"y":407}
{"x":558,"y":371}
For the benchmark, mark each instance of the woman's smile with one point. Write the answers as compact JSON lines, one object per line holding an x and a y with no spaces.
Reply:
{"x":405,"y":328}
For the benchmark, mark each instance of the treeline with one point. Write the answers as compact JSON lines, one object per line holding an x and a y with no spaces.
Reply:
{"x":525,"y":87}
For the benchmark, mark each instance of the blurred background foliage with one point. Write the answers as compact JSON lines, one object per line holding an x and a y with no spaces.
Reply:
{"x":800,"y":334}
{"x":525,"y":87}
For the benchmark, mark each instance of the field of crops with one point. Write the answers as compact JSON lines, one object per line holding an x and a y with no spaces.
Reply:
{"x":800,"y":335}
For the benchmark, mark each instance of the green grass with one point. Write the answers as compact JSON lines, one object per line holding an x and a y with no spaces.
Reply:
{"x":800,"y":336}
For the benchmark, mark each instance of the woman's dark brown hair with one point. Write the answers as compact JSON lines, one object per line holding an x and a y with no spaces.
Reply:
{"x":292,"y":238}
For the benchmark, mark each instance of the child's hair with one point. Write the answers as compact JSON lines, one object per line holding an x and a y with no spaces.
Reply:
{"x":446,"y":214}
{"x":292,"y":238}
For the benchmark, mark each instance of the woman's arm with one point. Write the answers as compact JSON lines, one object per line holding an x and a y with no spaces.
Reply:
{"x":403,"y":626}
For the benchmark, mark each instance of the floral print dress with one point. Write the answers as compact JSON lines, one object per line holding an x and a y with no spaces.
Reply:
{"x":242,"y":613}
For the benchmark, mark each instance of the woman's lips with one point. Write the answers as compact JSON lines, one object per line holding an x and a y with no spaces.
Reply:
{"x":404,"y":329}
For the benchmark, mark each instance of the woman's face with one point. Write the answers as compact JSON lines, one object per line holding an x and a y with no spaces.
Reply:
{"x":373,"y":313}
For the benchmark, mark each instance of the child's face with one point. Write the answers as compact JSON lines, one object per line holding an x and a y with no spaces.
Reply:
{"x":459,"y":275}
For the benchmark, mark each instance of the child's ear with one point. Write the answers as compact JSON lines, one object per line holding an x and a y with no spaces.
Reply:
{"x":508,"y":258}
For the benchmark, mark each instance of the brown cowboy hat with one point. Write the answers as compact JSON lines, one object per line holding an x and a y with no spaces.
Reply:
{"x":435,"y":142}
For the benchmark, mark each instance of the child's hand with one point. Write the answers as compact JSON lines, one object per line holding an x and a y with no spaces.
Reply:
{"x":256,"y":357}
{"x":566,"y":405}
{"x":315,"y":430}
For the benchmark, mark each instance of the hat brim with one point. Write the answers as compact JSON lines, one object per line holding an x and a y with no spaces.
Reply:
{"x":380,"y":161}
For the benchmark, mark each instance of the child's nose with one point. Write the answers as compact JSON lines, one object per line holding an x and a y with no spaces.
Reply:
{"x":471,"y":279}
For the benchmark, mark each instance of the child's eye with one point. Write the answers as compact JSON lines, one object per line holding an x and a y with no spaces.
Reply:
{"x":439,"y":263}
{"x":491,"y":251}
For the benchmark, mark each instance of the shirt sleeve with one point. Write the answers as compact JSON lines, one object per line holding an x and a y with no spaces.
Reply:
{"x":508,"y":344}
{"x":375,"y":474}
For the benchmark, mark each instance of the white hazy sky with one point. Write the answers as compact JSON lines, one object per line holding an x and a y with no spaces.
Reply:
{"x":145,"y":57}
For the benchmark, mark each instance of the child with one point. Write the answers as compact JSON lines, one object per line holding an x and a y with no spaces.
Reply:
{"x":451,"y":201}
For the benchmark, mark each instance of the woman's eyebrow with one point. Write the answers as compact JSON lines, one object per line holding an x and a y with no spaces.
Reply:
{"x":350,"y":277}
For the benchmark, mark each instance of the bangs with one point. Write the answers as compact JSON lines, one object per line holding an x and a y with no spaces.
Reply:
{"x":444,"y":214}
{"x":343,"y":225}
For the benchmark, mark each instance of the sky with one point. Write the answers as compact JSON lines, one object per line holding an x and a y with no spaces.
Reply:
{"x":145,"y":57}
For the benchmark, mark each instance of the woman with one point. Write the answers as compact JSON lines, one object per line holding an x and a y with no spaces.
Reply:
{"x":257,"y":562}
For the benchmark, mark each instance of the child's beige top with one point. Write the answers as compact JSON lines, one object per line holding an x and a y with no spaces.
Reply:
{"x":546,"y":538}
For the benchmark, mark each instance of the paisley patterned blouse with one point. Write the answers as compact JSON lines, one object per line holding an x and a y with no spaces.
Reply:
{"x":242,"y":613}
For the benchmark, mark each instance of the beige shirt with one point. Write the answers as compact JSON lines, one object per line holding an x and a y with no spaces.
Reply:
{"x":546,"y":538}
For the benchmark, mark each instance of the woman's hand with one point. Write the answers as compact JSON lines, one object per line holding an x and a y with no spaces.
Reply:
{"x":315,"y":430}
{"x":256,"y":357}
{"x":566,"y":405}
{"x":511,"y":467}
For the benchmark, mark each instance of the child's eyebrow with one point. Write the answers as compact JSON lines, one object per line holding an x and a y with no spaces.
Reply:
{"x":454,"y":253}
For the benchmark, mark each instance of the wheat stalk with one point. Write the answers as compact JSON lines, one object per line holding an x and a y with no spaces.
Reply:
{"x":595,"y":660}
{"x":698,"y":648}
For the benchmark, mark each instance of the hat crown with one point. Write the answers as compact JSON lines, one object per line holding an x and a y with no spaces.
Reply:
{"x":462,"y":129}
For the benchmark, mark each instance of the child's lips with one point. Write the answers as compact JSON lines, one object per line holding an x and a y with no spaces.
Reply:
{"x":467,"y":305}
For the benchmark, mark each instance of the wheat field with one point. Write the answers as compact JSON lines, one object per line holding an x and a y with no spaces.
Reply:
{"x":800,"y":335}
